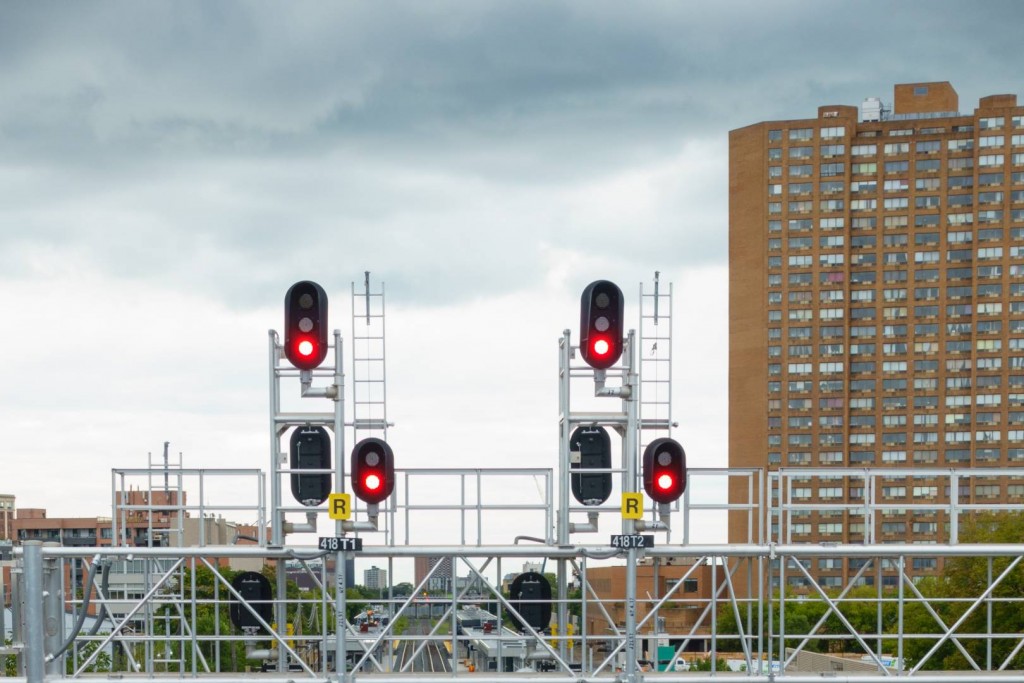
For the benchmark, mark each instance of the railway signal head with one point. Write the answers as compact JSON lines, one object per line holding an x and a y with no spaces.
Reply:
{"x":595,"y":452}
{"x":255,"y":590}
{"x":530,"y":595}
{"x":601,"y":313}
{"x":310,"y":449}
{"x":373,"y":470}
{"x":305,"y":325}
{"x":664,"y":470}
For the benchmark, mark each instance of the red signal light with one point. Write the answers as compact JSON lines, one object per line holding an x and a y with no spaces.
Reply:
{"x":305,"y":325}
{"x":664,"y":467}
{"x":373,"y":470}
{"x":601,"y":322}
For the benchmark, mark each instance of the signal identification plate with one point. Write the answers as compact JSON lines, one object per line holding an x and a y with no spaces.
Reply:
{"x":342,"y":543}
{"x":632,"y":541}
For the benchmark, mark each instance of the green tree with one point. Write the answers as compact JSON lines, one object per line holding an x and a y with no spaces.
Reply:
{"x":963,"y":579}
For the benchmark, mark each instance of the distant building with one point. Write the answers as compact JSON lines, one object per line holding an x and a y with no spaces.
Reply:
{"x":7,"y":514}
{"x":534,"y":567}
{"x":441,"y":579}
{"x":145,"y":519}
{"x":306,"y":575}
{"x":680,"y":613}
{"x":375,"y":577}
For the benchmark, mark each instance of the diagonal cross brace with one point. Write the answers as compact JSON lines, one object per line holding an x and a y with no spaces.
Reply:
{"x":839,"y":615}
{"x":824,"y":617}
{"x":959,"y":622}
{"x":939,"y":621}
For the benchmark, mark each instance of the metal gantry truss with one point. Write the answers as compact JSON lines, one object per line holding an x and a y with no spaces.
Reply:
{"x":754,"y":634}
{"x":729,"y":608}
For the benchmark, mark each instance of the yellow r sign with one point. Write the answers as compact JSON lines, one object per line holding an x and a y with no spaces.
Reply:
{"x":632,"y":505}
{"x":339,"y":506}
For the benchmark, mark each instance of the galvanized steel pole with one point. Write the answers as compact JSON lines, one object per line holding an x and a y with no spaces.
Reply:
{"x":628,"y":526}
{"x":35,"y":640}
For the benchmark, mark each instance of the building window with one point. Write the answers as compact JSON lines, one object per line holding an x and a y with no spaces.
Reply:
{"x":830,"y":170}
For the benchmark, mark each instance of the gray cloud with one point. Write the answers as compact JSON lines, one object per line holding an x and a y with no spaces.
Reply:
{"x":435,"y":144}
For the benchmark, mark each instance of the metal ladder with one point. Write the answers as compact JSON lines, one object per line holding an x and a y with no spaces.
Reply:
{"x":164,"y":477}
{"x":369,"y":386}
{"x":654,"y":352}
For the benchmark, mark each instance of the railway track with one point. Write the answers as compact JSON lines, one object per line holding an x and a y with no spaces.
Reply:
{"x":419,"y":656}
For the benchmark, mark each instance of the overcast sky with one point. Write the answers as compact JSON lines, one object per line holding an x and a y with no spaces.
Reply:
{"x":167,"y":170}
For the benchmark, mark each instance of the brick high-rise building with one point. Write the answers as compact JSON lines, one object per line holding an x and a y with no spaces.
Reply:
{"x":441,"y":579}
{"x":876,"y":305}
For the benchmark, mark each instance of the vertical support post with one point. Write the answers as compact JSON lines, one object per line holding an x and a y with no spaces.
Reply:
{"x":340,"y":620}
{"x":714,"y":610}
{"x":563,"y":609}
{"x":454,"y":626}
{"x":18,"y":614}
{"x":34,"y":653}
{"x":3,"y":611}
{"x":630,"y":668}
{"x":954,"y":507}
{"x":628,"y":527}
{"x":53,"y":609}
{"x":281,"y":609}
{"x":880,"y":604}
{"x":276,"y":516}
{"x":585,"y":666}
{"x":770,"y":636}
{"x":565,"y":428}
{"x":899,"y":616}
{"x":783,"y":560}
{"x":988,"y":619}
{"x":340,"y":559}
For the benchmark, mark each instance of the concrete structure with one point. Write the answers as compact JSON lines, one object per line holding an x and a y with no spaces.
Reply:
{"x":876,"y":307}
